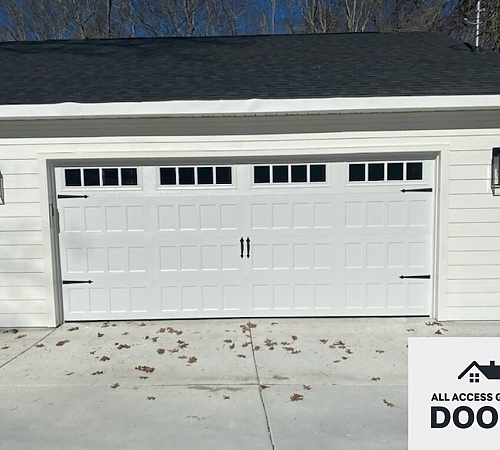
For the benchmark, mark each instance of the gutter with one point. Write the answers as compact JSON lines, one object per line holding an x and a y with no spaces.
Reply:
{"x":252,"y":107}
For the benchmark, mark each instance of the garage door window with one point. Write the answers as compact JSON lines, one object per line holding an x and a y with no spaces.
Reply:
{"x":388,"y":171}
{"x":289,"y":173}
{"x":194,"y":176}
{"x":98,"y":176}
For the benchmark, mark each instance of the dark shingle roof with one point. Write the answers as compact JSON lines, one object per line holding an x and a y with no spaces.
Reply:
{"x":266,"y":67}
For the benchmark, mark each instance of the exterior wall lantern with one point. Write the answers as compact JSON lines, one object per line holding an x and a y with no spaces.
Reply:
{"x":495,"y":171}
{"x":2,"y":198}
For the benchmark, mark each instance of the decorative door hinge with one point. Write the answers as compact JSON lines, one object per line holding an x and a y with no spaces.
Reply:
{"x":421,"y":277}
{"x":72,"y":196}
{"x":77,"y":282}
{"x":417,"y":190}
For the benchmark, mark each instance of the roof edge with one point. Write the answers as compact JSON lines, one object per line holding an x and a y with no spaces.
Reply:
{"x":251,"y":107}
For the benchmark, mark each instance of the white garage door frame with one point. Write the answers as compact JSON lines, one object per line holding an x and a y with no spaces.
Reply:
{"x":247,"y":160}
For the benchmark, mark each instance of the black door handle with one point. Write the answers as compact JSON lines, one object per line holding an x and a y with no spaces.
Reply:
{"x":241,"y":246}
{"x":248,"y":247}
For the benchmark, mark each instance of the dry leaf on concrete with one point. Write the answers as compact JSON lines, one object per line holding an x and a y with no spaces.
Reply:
{"x":60,"y":343}
{"x":296,"y":397}
{"x":145,"y":369}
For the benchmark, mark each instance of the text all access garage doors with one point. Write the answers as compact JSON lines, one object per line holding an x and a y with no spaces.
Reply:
{"x":301,"y":239}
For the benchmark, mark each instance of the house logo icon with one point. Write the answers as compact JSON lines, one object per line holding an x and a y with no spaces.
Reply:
{"x":491,"y":372}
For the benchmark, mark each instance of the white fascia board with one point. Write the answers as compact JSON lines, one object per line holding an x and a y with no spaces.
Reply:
{"x":252,"y":107}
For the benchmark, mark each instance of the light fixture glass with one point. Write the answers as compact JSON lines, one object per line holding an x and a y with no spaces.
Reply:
{"x":495,"y":171}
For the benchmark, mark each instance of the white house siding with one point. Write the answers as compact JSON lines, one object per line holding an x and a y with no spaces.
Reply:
{"x":474,"y":231}
{"x":22,"y":282}
{"x":468,"y":237}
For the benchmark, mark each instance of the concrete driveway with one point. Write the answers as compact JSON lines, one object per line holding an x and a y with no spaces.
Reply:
{"x":279,"y":384}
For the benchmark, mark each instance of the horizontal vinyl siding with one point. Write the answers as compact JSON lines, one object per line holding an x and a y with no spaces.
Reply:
{"x":474,"y":235}
{"x":22,"y":282}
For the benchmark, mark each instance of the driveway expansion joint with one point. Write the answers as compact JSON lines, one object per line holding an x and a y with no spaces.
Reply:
{"x":259,"y":387}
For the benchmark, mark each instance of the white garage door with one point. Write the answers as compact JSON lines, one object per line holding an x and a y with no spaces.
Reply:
{"x":301,"y":239}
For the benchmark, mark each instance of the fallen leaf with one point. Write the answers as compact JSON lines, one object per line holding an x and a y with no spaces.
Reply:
{"x":160,"y":351}
{"x":146,"y":337}
{"x":40,"y":345}
{"x":114,"y":385}
{"x":380,"y":351}
{"x":145,"y":369}
{"x":182,"y":357}
{"x":264,"y":386}
{"x":123,"y":346}
{"x":435,"y":322}
{"x":306,"y":387}
{"x":98,"y":372}
{"x":274,"y":323}
{"x":100,"y":334}
{"x":93,"y":353}
{"x":227,"y":341}
{"x":251,"y":325}
{"x":113,"y":324}
{"x":240,"y":355}
{"x":142,"y":324}
{"x":389,"y":404}
{"x":438,"y":331}
{"x":20,"y":336}
{"x":70,"y":373}
{"x":182,"y":344}
{"x":231,"y":346}
{"x":336,"y":361}
{"x":344,"y":357}
{"x":73,"y":329}
{"x":410,"y":329}
{"x":294,"y":337}
{"x":296,"y":397}
{"x":192,"y":359}
{"x":173,"y":330}
{"x":174,"y":350}
{"x":5,"y":347}
{"x":13,"y":331}
{"x":225,"y":397}
{"x":256,"y":348}
{"x":375,"y":379}
{"x":104,"y":358}
{"x":270,"y":343}
{"x":151,"y":398}
{"x":323,"y":341}
{"x":161,"y":330}
{"x":245,"y":344}
{"x":125,"y":333}
{"x":62,"y":342}
{"x":348,"y":351}
{"x":143,"y":377}
{"x":154,"y":339}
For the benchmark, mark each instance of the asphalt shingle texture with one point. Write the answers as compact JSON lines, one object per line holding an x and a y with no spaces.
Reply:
{"x":229,"y":68}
